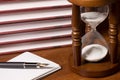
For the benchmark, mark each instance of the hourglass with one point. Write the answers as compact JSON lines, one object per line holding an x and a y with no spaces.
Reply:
{"x":92,"y":55}
{"x":94,"y":46}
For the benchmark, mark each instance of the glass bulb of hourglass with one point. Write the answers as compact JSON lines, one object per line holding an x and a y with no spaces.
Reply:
{"x":94,"y":46}
{"x":93,"y":18}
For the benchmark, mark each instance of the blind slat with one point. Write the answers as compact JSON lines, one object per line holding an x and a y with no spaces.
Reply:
{"x":35,"y":26}
{"x":38,"y":45}
{"x":36,"y":4}
{"x":35,"y":15}
{"x":37,"y":35}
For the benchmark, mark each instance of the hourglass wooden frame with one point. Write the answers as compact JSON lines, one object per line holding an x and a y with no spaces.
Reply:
{"x":102,"y":69}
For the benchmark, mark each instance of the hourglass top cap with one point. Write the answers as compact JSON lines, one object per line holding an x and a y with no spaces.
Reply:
{"x":91,"y":3}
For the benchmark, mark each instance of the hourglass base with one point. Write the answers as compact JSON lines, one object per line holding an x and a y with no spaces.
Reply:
{"x":101,"y":69}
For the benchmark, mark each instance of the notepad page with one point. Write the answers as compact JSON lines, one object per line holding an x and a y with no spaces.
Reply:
{"x":28,"y":74}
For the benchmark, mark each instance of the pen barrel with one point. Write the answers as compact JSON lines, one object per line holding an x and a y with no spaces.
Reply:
{"x":31,"y":65}
{"x":17,"y":65}
{"x":11,"y":64}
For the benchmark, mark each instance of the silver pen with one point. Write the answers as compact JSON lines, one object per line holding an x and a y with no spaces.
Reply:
{"x":22,"y":65}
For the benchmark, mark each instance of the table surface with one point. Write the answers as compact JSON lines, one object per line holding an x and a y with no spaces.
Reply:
{"x":61,"y":56}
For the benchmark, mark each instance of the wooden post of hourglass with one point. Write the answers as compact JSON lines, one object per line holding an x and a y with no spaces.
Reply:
{"x":76,"y":34}
{"x":113,"y":32}
{"x":107,"y":66}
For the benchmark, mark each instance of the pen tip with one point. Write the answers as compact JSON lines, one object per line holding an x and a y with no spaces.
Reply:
{"x":42,"y":64}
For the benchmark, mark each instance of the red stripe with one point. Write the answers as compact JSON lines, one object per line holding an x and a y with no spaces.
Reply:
{"x":35,"y":39}
{"x":35,"y":19}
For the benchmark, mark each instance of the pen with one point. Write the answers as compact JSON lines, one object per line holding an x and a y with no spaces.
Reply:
{"x":24,"y":65}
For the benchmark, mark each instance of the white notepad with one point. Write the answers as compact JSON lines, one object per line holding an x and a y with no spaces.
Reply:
{"x":28,"y":74}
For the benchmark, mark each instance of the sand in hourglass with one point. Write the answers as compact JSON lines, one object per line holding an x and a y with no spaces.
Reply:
{"x":93,"y":18}
{"x":94,"y":52}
